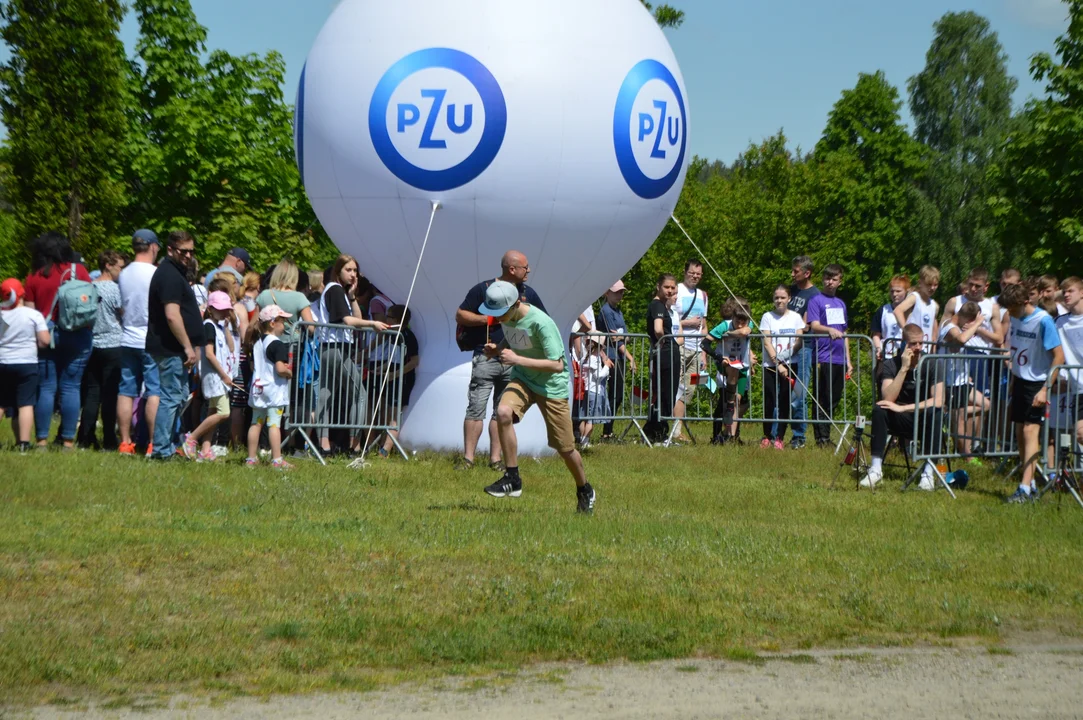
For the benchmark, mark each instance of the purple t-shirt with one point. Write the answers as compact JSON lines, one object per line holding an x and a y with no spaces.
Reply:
{"x":829,"y":311}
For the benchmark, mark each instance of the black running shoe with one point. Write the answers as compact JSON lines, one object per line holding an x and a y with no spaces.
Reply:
{"x":585,"y":495}
{"x":506,"y":487}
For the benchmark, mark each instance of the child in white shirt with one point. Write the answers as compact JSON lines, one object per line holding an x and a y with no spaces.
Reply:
{"x":22,"y":331}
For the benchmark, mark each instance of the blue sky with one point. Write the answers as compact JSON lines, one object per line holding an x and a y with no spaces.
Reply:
{"x":751,"y":68}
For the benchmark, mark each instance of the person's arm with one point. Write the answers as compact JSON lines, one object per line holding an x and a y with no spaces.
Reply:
{"x":176,"y":326}
{"x":283,"y":369}
{"x":584,"y":324}
{"x":849,"y":362}
{"x":903,"y":309}
{"x":890,"y":389}
{"x":949,"y":310}
{"x":43,"y":335}
{"x":466,"y":318}
{"x":240,"y":314}
{"x":212,"y":359}
{"x":510,"y":357}
{"x":995,"y":337}
{"x":308,"y":317}
{"x":964,"y":335}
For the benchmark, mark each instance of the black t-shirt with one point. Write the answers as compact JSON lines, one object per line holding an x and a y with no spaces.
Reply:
{"x":475,"y":336}
{"x":889,"y":368}
{"x":799,"y":298}
{"x":169,"y":285}
{"x":658,"y":310}
{"x":277,"y":351}
{"x":338,"y":306}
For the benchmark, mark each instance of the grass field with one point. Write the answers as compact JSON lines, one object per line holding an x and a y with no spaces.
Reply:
{"x":119,"y":577}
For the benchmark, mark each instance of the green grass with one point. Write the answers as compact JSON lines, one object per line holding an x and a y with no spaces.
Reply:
{"x":124,"y":579}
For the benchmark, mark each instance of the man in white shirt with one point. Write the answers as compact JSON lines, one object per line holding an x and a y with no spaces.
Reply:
{"x":1070,"y":328}
{"x":691,"y":311}
{"x":138,"y":371}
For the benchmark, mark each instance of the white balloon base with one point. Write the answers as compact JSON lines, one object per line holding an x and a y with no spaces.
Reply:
{"x":434,"y":418}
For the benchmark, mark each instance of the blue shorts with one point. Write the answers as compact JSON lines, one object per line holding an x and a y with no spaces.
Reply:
{"x":18,"y":385}
{"x":137,"y":368}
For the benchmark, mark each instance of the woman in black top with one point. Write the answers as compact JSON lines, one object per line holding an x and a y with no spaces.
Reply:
{"x":665,"y":357}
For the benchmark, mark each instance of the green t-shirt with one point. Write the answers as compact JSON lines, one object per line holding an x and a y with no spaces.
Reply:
{"x":724,"y":327}
{"x":291,"y":301}
{"x":536,"y":336}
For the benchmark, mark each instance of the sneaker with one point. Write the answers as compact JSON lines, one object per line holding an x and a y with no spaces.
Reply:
{"x":281,"y":464}
{"x":779,"y":445}
{"x":462,"y":464}
{"x":23,"y":448}
{"x":765,"y":443}
{"x":872,"y":479}
{"x":928,"y":483}
{"x":1019,"y":496}
{"x":189,"y":447}
{"x":585,"y":497}
{"x":206,"y":456}
{"x":506,"y":486}
{"x":797,"y":443}
{"x":251,"y":462}
{"x":150,"y":449}
{"x":126,"y":448}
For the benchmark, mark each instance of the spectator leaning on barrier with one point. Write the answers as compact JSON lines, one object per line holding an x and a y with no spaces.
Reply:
{"x":23,"y":333}
{"x":692,"y":308}
{"x":1070,"y":327}
{"x":801,"y":293}
{"x":101,"y":381}
{"x":966,"y":404}
{"x":734,"y":358}
{"x":886,"y":328}
{"x":988,"y":334}
{"x":174,"y":331}
{"x":827,"y":314}
{"x":237,"y":262}
{"x":138,"y":372}
{"x":611,"y":321}
{"x":533,"y":348}
{"x":904,"y":393}
{"x":386,"y":354}
{"x":487,"y":375}
{"x":60,"y":366}
{"x":919,"y":308}
{"x":1036,"y":351}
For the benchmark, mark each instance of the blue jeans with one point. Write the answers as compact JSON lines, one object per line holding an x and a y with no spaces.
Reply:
{"x":60,"y":373}
{"x":799,"y":400}
{"x":173,"y":379}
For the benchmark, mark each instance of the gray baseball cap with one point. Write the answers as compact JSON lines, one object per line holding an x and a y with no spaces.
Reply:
{"x":499,"y":298}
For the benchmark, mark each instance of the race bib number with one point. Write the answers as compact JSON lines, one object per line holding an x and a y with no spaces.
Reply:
{"x":518,"y":339}
{"x":836,"y":316}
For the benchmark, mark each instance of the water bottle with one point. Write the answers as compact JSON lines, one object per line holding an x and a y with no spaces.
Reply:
{"x":851,"y":455}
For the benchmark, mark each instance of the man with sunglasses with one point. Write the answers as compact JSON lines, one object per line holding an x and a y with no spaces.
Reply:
{"x":174,"y":330}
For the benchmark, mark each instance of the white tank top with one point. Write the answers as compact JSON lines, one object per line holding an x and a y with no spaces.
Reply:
{"x":330,"y":335}
{"x":924,"y":316}
{"x":955,"y":371}
{"x":1030,"y":360}
{"x":986,"y":306}
{"x":269,"y":389}
{"x":891,"y":333}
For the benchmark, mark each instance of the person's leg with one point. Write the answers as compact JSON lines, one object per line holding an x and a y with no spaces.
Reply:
{"x":615,"y":392}
{"x":500,"y":384}
{"x":73,"y":353}
{"x":47,"y":384}
{"x":783,"y":408}
{"x":481,"y":387}
{"x":110,"y":390}
{"x":1030,"y":437}
{"x":509,"y":444}
{"x":274,"y":436}
{"x":823,"y":401}
{"x":152,"y":395}
{"x":254,"y":430}
{"x":93,"y":379}
{"x":771,"y":393}
{"x":798,"y":402}
{"x":173,"y":381}
{"x":24,"y":421}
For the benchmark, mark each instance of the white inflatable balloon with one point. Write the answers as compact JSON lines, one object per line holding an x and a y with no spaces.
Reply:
{"x":555,"y":127}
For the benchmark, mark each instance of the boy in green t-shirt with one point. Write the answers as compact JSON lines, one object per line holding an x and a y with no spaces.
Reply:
{"x":533,"y":347}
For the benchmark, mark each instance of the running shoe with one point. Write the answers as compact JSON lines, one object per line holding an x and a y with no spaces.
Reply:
{"x":765,"y":443}
{"x":797,"y":443}
{"x":126,"y":448}
{"x":150,"y":449}
{"x":281,"y":464}
{"x":585,"y":497}
{"x":189,"y":447}
{"x":462,"y":464}
{"x":206,"y":456}
{"x":506,"y":486}
{"x":1019,"y":496}
{"x":251,"y":462}
{"x":779,"y":445}
{"x":872,"y":479}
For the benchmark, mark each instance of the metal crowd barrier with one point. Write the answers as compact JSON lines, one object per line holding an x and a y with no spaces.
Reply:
{"x":972,"y":419}
{"x":340,"y":385}
{"x":626,"y":387}
{"x":1062,"y":440}
{"x":833,"y":400}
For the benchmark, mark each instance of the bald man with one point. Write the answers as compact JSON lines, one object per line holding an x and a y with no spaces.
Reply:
{"x":487,"y":375}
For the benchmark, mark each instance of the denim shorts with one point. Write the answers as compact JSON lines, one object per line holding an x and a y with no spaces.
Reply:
{"x":487,"y":377}
{"x":137,"y":368}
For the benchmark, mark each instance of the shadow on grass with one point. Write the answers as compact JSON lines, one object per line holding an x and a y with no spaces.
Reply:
{"x":470,"y":506}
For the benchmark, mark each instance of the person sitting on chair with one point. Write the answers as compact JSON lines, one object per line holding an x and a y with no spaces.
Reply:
{"x":894,"y":414}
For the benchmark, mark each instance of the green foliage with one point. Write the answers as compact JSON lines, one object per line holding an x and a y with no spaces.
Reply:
{"x":62,"y":101}
{"x":666,"y":15}
{"x":1040,"y":203}
{"x":961,"y":102}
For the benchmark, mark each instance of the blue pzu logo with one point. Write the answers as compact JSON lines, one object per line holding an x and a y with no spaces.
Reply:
{"x":437,"y":119}
{"x":650,"y":130}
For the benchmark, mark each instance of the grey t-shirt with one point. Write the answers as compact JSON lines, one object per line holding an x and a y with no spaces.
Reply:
{"x":108,"y":332}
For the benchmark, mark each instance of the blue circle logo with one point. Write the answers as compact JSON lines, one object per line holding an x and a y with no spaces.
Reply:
{"x":437,"y":119}
{"x":650,"y":130}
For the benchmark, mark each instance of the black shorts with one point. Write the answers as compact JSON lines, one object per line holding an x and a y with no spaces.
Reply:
{"x":959,"y":397}
{"x":1022,"y":407}
{"x":18,"y":385}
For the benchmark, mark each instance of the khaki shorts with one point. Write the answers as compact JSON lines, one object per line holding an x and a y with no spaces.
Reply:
{"x":218,"y":405}
{"x":271,"y":417}
{"x":689,"y":366}
{"x":556,"y":412}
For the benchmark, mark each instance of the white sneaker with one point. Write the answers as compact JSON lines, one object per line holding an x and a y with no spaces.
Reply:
{"x":872,"y":479}
{"x":928,"y":483}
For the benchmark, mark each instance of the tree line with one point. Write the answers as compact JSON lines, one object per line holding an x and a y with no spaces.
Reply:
{"x":179,"y":136}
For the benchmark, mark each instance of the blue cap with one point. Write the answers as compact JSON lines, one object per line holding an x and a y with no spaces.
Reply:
{"x":144,"y":237}
{"x":499,"y":298}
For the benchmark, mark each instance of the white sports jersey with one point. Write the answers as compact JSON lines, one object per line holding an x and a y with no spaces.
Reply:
{"x":269,"y":389}
{"x":986,"y":306}
{"x":924,"y":315}
{"x":955,"y":371}
{"x":210,"y":382}
{"x":783,"y":331}
{"x":737,"y":351}
{"x":1030,"y":360}
{"x":890,"y":332}
{"x":1070,"y":328}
